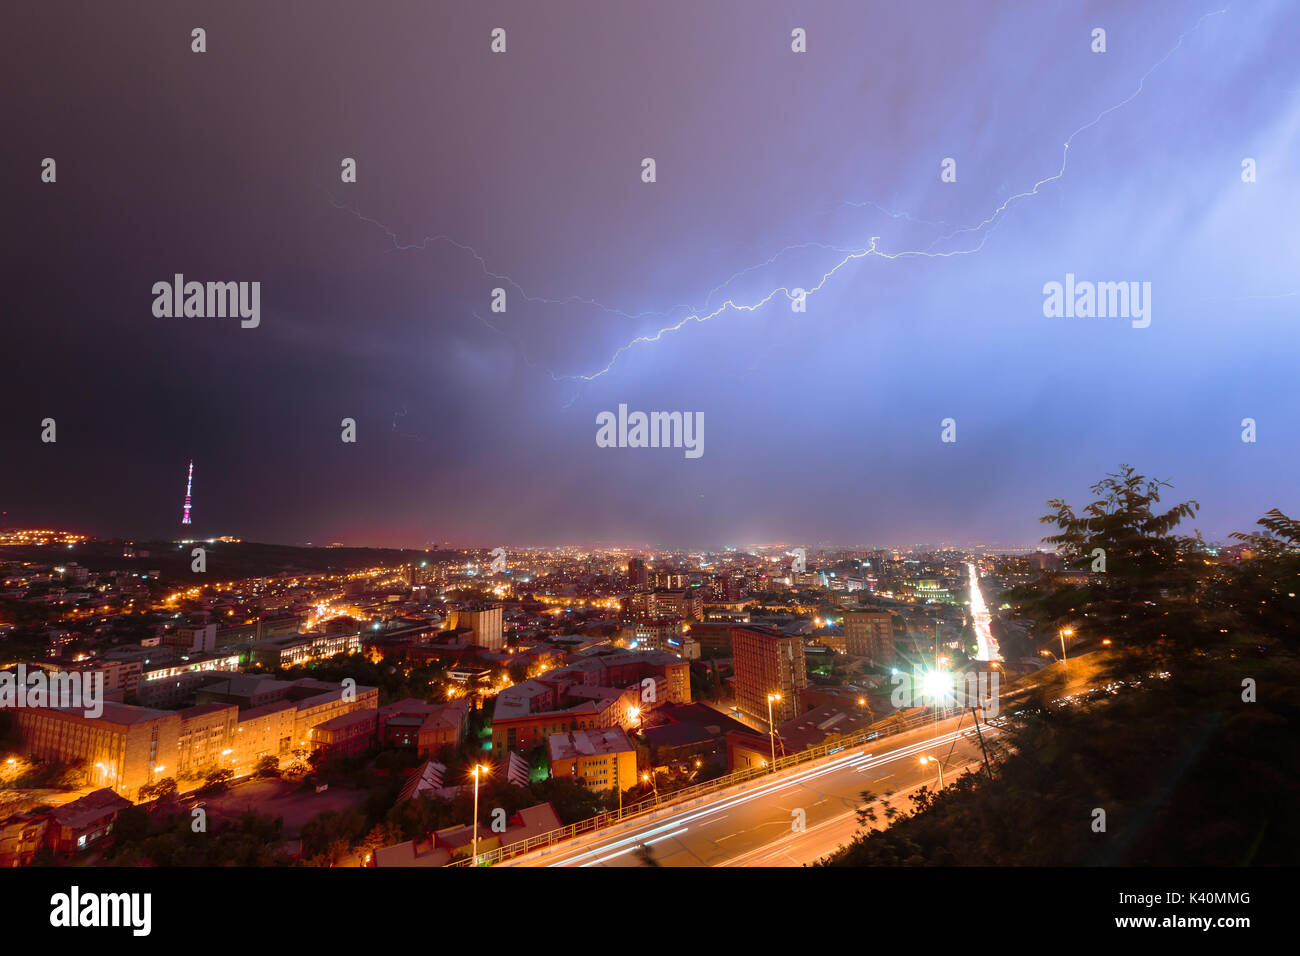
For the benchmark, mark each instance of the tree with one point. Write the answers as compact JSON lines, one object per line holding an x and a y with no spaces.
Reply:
{"x":327,"y":837}
{"x":1282,"y":537}
{"x":1258,"y":597}
{"x":268,"y":766}
{"x":163,"y":790}
{"x":9,"y":737}
{"x":218,"y":781}
{"x":1141,"y":576}
{"x":1161,"y":751}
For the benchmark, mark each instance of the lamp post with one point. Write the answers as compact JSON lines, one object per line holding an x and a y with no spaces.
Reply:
{"x":927,"y":759}
{"x":474,"y":822}
{"x":649,"y":778}
{"x":771,"y":727}
{"x":1065,"y":662}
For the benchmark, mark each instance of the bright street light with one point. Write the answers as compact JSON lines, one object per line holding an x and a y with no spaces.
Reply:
{"x":771,"y":727}
{"x":927,"y":759}
{"x":474,"y":823}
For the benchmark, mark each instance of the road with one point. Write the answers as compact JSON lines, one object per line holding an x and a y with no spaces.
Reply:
{"x":987,"y":647}
{"x":755,"y":825}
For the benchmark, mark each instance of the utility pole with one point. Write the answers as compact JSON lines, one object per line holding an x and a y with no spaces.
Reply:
{"x":983,"y":750}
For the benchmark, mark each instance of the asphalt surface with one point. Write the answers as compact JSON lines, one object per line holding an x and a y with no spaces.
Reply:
{"x":793,"y":818}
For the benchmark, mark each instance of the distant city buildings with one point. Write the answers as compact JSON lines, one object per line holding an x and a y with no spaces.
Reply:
{"x":25,"y":537}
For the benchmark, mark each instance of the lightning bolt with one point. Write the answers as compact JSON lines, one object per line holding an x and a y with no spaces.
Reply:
{"x":698,"y":315}
{"x":985,"y":227}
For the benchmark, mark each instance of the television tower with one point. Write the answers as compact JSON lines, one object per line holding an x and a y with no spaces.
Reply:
{"x":189,"y":480}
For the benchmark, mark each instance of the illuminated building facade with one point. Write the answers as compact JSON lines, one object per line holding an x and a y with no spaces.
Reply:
{"x":594,"y":759}
{"x":485,"y":622}
{"x":766,"y":661}
{"x":870,"y":634}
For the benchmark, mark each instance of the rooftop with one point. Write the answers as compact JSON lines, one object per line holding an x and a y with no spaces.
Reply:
{"x":589,"y":743}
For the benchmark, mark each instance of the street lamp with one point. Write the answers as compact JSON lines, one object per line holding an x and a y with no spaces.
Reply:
{"x":474,"y":823}
{"x":925,"y":760}
{"x":648,"y":778}
{"x":771,"y":727}
{"x":1065,"y":632}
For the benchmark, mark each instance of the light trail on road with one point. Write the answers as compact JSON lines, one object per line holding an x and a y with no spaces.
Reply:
{"x":680,"y":823}
{"x":987,"y":647}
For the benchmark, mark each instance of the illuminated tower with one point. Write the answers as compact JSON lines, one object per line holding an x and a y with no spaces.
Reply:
{"x":189,"y":480}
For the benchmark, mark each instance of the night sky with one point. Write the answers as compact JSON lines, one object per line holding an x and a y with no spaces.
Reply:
{"x":522,"y":170}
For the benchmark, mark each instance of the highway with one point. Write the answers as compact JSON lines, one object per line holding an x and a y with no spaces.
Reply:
{"x":755,"y":824}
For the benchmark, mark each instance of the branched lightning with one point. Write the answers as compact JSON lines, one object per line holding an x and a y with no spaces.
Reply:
{"x":698,"y":315}
{"x":984,"y":227}
{"x":892,"y":214}
{"x":490,"y":273}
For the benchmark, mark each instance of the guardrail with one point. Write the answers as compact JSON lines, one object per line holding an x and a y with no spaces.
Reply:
{"x":889,"y":727}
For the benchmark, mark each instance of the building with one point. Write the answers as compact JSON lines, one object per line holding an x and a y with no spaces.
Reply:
{"x":446,"y":726}
{"x":204,"y":740}
{"x":125,"y":748}
{"x":686,"y":733}
{"x":201,"y":639}
{"x":513,"y":729}
{"x":238,"y":721}
{"x":669,"y":580}
{"x":637,"y":576}
{"x":725,"y":589}
{"x":79,"y":825}
{"x":595,"y":759}
{"x":870,"y":634}
{"x":598,"y":688}
{"x":714,"y":639}
{"x":682,"y":604}
{"x":747,"y":749}
{"x":655,"y":636}
{"x":347,"y":735}
{"x":456,"y":843}
{"x":485,"y":623}
{"x":1044,"y":561}
{"x":118,"y":675}
{"x":766,"y":661}
{"x":291,"y":649}
{"x":174,"y":681}
{"x":67,"y":830}
{"x":399,"y":722}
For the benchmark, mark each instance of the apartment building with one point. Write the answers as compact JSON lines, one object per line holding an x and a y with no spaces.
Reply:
{"x":870,"y":634}
{"x":594,"y":759}
{"x":767,"y":661}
